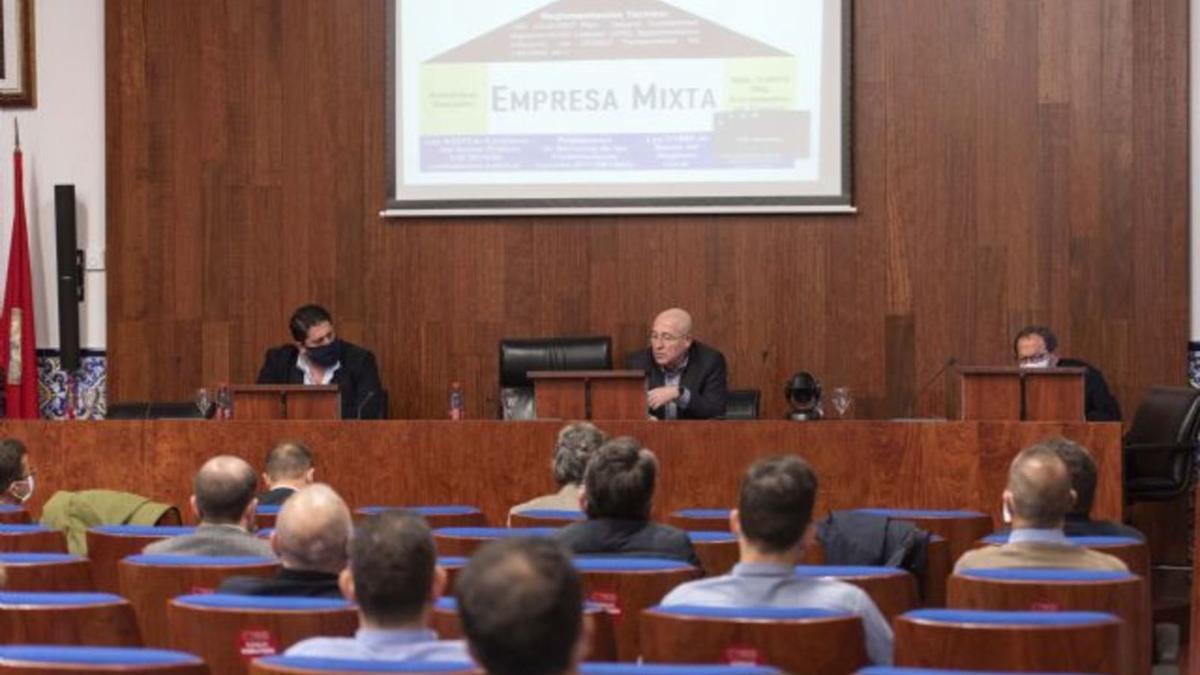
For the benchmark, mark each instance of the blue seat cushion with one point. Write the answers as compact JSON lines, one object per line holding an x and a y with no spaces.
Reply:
{"x":452,"y":561}
{"x":221,"y":600}
{"x":169,"y":560}
{"x":444,"y":510}
{"x":11,"y":508}
{"x":52,"y":599}
{"x":555,"y":514}
{"x":615,"y":564}
{"x":702,"y":513}
{"x":1004,"y":618}
{"x":496,"y":532}
{"x":921,"y":513}
{"x":749,"y":612}
{"x":325,"y":665}
{"x":37,"y":558}
{"x":8,"y":528}
{"x":597,"y":668}
{"x":1043,"y":574}
{"x":709,"y":536}
{"x":269,"y":509}
{"x":96,"y":656}
{"x":449,"y":603}
{"x":809,"y":571}
{"x":895,"y":670}
{"x":145,"y":530}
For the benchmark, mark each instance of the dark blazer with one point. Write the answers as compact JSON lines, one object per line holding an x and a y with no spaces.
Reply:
{"x":286,"y":582}
{"x":357,"y":379}
{"x":628,"y":538}
{"x":1099,"y":405}
{"x":275,"y":497}
{"x":704,"y":377}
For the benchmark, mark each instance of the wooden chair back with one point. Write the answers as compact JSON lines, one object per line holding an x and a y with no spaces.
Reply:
{"x":893,"y":590}
{"x":602,"y":647}
{"x":56,"y":618}
{"x":46,"y":572}
{"x":718,"y":551}
{"x":544,"y":518}
{"x":700,"y":520}
{"x":451,"y":515}
{"x":464,"y":541}
{"x":38,"y":659}
{"x":31,"y":539}
{"x":623,"y":587}
{"x":108,"y":544}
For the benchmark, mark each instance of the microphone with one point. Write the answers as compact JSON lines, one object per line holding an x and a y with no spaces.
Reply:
{"x":912,"y":406}
{"x":363,"y":404}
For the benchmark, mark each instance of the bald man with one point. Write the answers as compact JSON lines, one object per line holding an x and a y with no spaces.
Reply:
{"x":310,"y":538}
{"x":1037,"y":500}
{"x":223,"y":500}
{"x":685,"y":378}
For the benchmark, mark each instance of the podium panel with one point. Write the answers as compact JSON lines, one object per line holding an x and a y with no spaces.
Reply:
{"x":589,"y":394}
{"x":1054,"y":395}
{"x":285,"y":402}
{"x":1005,"y":393}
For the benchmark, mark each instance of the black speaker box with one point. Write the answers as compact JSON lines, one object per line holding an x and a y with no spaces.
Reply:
{"x":70,"y":276}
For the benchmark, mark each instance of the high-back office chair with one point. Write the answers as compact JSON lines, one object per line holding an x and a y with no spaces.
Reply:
{"x":518,"y":356}
{"x":742,"y":404}
{"x":1159,"y":447}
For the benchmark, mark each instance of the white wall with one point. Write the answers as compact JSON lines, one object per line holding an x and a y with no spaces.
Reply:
{"x":63,"y":142}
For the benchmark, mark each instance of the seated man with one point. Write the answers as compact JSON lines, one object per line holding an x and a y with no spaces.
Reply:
{"x":1083,"y":471}
{"x":289,"y":468}
{"x":1037,"y":500}
{"x":773,"y":524}
{"x":310,"y":538}
{"x":394,"y":579}
{"x":16,"y":474}
{"x":223,"y":500}
{"x":576,"y":442}
{"x":686,"y":379}
{"x":318,"y":357}
{"x":521,"y":603}
{"x":618,"y":488}
{"x":1035,"y":347}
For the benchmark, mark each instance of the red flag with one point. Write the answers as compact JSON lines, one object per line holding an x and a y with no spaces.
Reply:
{"x":16,"y":322}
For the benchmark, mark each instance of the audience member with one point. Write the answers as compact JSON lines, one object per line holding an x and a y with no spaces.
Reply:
{"x":618,"y":488}
{"x":289,"y":468}
{"x":16,"y":474}
{"x":576,"y":442}
{"x":1037,"y":500}
{"x":773,"y":525}
{"x":223,"y":500}
{"x":686,"y":378}
{"x":1083,"y":471}
{"x":521,"y":603}
{"x":394,"y":579}
{"x":310,"y":538}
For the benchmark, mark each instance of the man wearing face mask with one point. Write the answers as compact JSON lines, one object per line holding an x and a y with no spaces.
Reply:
{"x":318,"y":356}
{"x":16,"y":476}
{"x":1034,"y":347}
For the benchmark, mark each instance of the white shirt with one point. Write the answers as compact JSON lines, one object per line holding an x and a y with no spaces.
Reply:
{"x":305,"y":367}
{"x":384,"y":645}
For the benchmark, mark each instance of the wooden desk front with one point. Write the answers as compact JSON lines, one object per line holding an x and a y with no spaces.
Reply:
{"x":493,"y":464}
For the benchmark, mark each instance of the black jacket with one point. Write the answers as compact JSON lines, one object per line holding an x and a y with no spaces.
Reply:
{"x":357,"y":379}
{"x":286,"y":582}
{"x":1099,"y":405}
{"x":704,"y":377}
{"x":275,"y":497}
{"x":620,"y":537}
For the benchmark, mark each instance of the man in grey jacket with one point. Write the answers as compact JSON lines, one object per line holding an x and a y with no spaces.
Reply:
{"x":223,"y":500}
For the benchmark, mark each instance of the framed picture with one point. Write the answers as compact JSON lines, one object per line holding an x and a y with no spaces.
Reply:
{"x":17,"y":66}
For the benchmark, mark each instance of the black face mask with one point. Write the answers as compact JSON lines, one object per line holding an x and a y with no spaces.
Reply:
{"x":326,"y":356}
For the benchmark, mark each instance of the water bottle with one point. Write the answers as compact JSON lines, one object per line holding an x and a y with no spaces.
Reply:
{"x":457,"y":402}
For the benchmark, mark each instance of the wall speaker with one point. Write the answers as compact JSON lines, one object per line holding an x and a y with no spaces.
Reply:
{"x":70,"y":276}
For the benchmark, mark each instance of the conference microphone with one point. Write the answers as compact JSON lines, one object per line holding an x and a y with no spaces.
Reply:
{"x":363,"y":404}
{"x":912,"y":406}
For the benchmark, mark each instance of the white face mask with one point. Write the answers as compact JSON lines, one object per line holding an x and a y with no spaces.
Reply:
{"x":22,"y":490}
{"x":1043,"y":362}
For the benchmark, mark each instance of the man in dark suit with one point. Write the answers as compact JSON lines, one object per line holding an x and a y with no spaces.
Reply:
{"x":686,"y":378}
{"x":1035,"y":347}
{"x":318,"y":357}
{"x":618,"y":488}
{"x":310,"y":538}
{"x":289,"y":468}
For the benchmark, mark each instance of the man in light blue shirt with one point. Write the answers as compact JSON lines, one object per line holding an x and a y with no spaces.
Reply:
{"x":773,"y":524}
{"x":394,"y":578}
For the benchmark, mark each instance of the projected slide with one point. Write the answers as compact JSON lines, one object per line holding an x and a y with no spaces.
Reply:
{"x":617,"y":105}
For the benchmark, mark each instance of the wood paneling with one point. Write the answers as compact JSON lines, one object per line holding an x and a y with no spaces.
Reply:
{"x":1016,"y":161}
{"x":494,"y":465}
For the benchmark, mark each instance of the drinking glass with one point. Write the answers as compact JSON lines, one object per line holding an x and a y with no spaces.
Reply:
{"x":203,"y":401}
{"x":842,"y":399}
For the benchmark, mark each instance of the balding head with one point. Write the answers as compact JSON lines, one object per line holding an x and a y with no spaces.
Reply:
{"x":223,"y":489}
{"x":312,"y":530}
{"x":677,"y":320}
{"x":1039,"y":493}
{"x":671,"y":337}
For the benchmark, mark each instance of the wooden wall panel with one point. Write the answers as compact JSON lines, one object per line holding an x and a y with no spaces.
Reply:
{"x":1016,"y":161}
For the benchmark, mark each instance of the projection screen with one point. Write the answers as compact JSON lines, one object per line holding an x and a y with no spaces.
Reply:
{"x":618,"y":106}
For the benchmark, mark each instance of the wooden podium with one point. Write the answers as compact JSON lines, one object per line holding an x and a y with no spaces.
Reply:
{"x":1027,"y":394}
{"x":589,"y":394}
{"x":285,"y":402}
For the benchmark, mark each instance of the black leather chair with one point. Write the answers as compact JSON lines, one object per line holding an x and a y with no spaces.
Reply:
{"x":518,"y":356}
{"x":742,"y":404}
{"x":1159,"y":449}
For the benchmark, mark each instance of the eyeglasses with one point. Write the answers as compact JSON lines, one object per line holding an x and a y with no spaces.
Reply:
{"x":666,"y":337}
